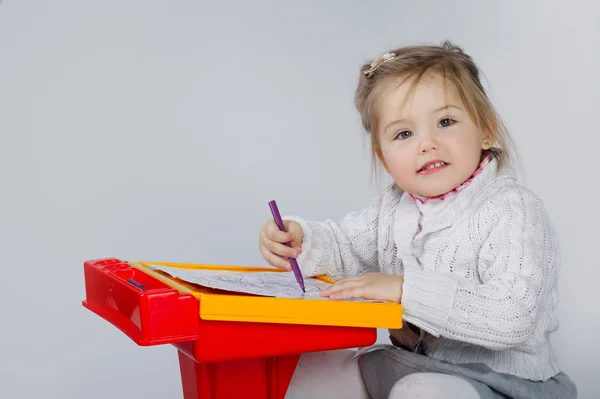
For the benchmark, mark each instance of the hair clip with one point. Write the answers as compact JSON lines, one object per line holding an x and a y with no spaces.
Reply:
{"x":378,"y":61}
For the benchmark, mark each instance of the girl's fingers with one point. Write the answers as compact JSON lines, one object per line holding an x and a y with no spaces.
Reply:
{"x":274,"y":260}
{"x":281,"y":249}
{"x":354,"y":278}
{"x":281,"y":236}
{"x":275,"y":253}
{"x":350,"y":292}
{"x":275,"y":242}
{"x":341,"y":286}
{"x":273,"y":233}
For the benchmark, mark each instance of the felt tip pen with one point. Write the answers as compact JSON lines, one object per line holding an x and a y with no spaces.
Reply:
{"x":293,"y":262}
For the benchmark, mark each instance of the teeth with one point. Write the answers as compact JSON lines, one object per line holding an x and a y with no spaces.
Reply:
{"x":435,"y":165}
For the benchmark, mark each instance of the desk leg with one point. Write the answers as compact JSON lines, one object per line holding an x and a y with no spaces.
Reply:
{"x":262,"y":378}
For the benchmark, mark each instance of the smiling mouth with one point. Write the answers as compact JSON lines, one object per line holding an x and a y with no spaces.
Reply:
{"x":433,"y":167}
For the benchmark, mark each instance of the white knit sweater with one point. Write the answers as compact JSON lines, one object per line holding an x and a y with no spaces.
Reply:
{"x":479,"y":275}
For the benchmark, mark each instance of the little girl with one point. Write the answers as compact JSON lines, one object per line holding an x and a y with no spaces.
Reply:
{"x":469,"y":253}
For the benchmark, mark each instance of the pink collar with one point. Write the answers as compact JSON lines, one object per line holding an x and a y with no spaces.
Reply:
{"x":442,"y":197}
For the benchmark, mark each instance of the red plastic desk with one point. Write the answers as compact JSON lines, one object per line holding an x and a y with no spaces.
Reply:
{"x":217,"y":359}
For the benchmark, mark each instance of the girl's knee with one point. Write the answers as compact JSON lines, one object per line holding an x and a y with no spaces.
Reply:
{"x":433,"y":386}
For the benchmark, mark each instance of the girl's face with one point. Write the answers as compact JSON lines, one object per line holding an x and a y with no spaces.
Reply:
{"x":429,"y":143}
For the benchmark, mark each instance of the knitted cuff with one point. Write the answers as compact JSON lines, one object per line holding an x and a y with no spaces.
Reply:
{"x":427,"y":299}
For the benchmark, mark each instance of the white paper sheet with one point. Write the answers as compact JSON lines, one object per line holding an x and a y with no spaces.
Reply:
{"x":274,"y":284}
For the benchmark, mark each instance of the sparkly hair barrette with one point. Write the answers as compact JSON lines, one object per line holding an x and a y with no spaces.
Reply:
{"x":378,"y":61}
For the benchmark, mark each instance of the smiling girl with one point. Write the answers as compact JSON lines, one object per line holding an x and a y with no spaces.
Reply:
{"x":469,"y":253}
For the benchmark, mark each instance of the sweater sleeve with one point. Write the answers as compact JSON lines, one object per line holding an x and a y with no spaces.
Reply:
{"x":517,"y":266}
{"x":345,"y":248}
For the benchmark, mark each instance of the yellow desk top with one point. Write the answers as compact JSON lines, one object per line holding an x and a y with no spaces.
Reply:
{"x":231,"y":306}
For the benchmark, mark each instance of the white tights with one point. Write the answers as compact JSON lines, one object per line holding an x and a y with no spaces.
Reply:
{"x":335,"y":374}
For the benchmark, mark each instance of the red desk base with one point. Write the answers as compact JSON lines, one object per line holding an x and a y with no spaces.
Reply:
{"x":267,"y":377}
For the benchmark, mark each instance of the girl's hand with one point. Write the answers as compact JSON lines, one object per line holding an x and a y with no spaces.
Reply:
{"x":377,"y":286}
{"x":271,"y":242}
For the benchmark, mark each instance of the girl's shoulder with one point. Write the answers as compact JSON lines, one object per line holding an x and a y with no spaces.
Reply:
{"x":505,"y":196}
{"x":391,"y":193}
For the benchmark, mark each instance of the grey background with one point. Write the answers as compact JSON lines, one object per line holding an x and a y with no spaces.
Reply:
{"x":159,"y":130}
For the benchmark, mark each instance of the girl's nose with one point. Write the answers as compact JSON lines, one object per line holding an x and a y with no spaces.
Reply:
{"x":428,"y":143}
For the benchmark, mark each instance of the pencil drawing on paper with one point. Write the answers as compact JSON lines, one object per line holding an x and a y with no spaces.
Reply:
{"x":274,"y":284}
{"x":279,"y":284}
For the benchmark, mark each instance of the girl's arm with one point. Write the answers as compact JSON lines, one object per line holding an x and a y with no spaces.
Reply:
{"x":347,"y":248}
{"x":517,"y":267}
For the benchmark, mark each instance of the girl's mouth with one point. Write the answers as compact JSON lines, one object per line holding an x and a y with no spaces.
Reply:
{"x":432,"y":167}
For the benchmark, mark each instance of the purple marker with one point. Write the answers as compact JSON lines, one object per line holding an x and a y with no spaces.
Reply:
{"x":293,"y":261}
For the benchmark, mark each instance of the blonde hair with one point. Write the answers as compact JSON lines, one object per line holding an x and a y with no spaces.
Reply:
{"x":413,"y":62}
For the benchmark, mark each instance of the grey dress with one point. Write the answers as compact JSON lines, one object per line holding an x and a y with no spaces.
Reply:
{"x":384,"y":365}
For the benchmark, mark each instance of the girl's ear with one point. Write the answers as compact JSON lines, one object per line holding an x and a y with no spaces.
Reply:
{"x":488,"y":139}
{"x":487,"y":143}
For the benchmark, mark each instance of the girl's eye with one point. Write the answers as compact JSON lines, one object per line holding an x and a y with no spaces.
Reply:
{"x":404,"y":134}
{"x":446,"y":122}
